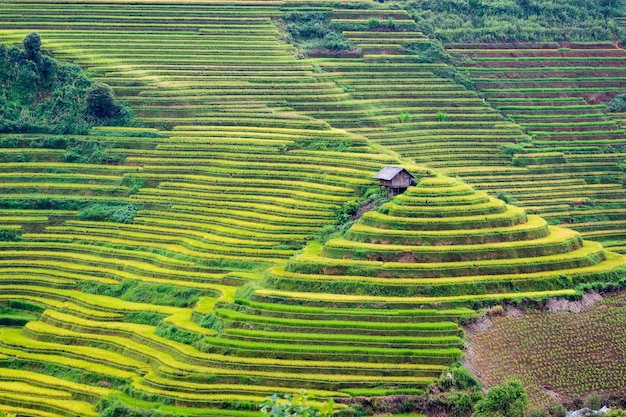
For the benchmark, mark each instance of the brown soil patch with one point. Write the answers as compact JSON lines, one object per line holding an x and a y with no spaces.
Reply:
{"x":407,"y":258}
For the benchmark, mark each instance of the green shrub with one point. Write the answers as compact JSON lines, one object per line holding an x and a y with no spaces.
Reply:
{"x":593,"y":401}
{"x":312,"y":31}
{"x":101,"y":103}
{"x":506,"y":197}
{"x":32,"y":46}
{"x":211,"y":321}
{"x":427,"y":52}
{"x":178,"y":335}
{"x":10,"y":235}
{"x":462,"y":404}
{"x":618,"y":104}
{"x":144,"y":317}
{"x":349,"y":209}
{"x":109,"y":213}
{"x":107,"y":408}
{"x":558,"y":410}
{"x":506,"y":400}
{"x":146,"y":292}
{"x":513,"y":149}
{"x":373,"y":23}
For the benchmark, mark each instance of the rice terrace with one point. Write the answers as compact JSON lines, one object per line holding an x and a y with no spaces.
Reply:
{"x":313,"y":208}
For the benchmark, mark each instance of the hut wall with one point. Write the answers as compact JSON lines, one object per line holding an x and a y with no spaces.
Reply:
{"x":402,"y":180}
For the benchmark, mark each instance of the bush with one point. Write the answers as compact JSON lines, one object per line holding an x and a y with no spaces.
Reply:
{"x":171,"y":332}
{"x":373,"y":23}
{"x":101,"y":102}
{"x":91,"y":152}
{"x":10,"y":235}
{"x":312,"y":30}
{"x":513,"y":149}
{"x":32,"y":45}
{"x":349,"y":209}
{"x":593,"y":401}
{"x":458,"y":378}
{"x":618,"y":104}
{"x":109,"y":213}
{"x":107,"y":408}
{"x":506,"y":400}
{"x":427,"y":52}
{"x":557,"y":410}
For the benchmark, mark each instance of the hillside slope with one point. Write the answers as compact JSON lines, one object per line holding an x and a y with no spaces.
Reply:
{"x":197,"y":301}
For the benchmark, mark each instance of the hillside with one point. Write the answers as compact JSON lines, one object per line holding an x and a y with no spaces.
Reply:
{"x":186,"y":269}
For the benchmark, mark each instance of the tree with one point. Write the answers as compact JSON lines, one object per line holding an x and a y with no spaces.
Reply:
{"x":506,"y":400}
{"x":32,"y":46}
{"x":101,"y":102}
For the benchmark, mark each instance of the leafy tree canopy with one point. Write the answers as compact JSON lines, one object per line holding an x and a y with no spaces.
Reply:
{"x":518,"y":20}
{"x":40,"y":94}
{"x":506,"y":400}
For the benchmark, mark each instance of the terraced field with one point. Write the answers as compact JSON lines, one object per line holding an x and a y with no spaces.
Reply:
{"x":443,"y":242}
{"x":248,"y":154}
{"x":408,"y":106}
{"x":556,"y":92}
{"x":548,"y":340}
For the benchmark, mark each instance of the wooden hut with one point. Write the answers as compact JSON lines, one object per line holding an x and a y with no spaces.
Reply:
{"x":394,"y":179}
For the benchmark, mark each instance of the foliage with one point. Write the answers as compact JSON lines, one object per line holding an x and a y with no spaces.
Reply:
{"x":557,"y":410}
{"x":428,"y":52}
{"x":513,"y":149}
{"x":109,"y":213}
{"x":32,"y":46}
{"x":458,"y":378}
{"x":593,"y":401}
{"x":107,"y":408}
{"x":405,"y":117}
{"x":506,"y":400}
{"x":312,"y":30}
{"x":441,"y":116}
{"x":349,"y":209}
{"x":91,"y":152}
{"x":618,"y":104}
{"x":521,"y":20}
{"x":10,"y":235}
{"x":506,"y":197}
{"x":101,"y":103}
{"x":296,"y":405}
{"x":461,"y":404}
{"x":373,"y":23}
{"x":40,"y":94}
{"x":145,"y":292}
{"x":171,"y":332}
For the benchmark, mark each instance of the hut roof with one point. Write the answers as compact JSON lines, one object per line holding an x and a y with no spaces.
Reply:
{"x":389,"y":172}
